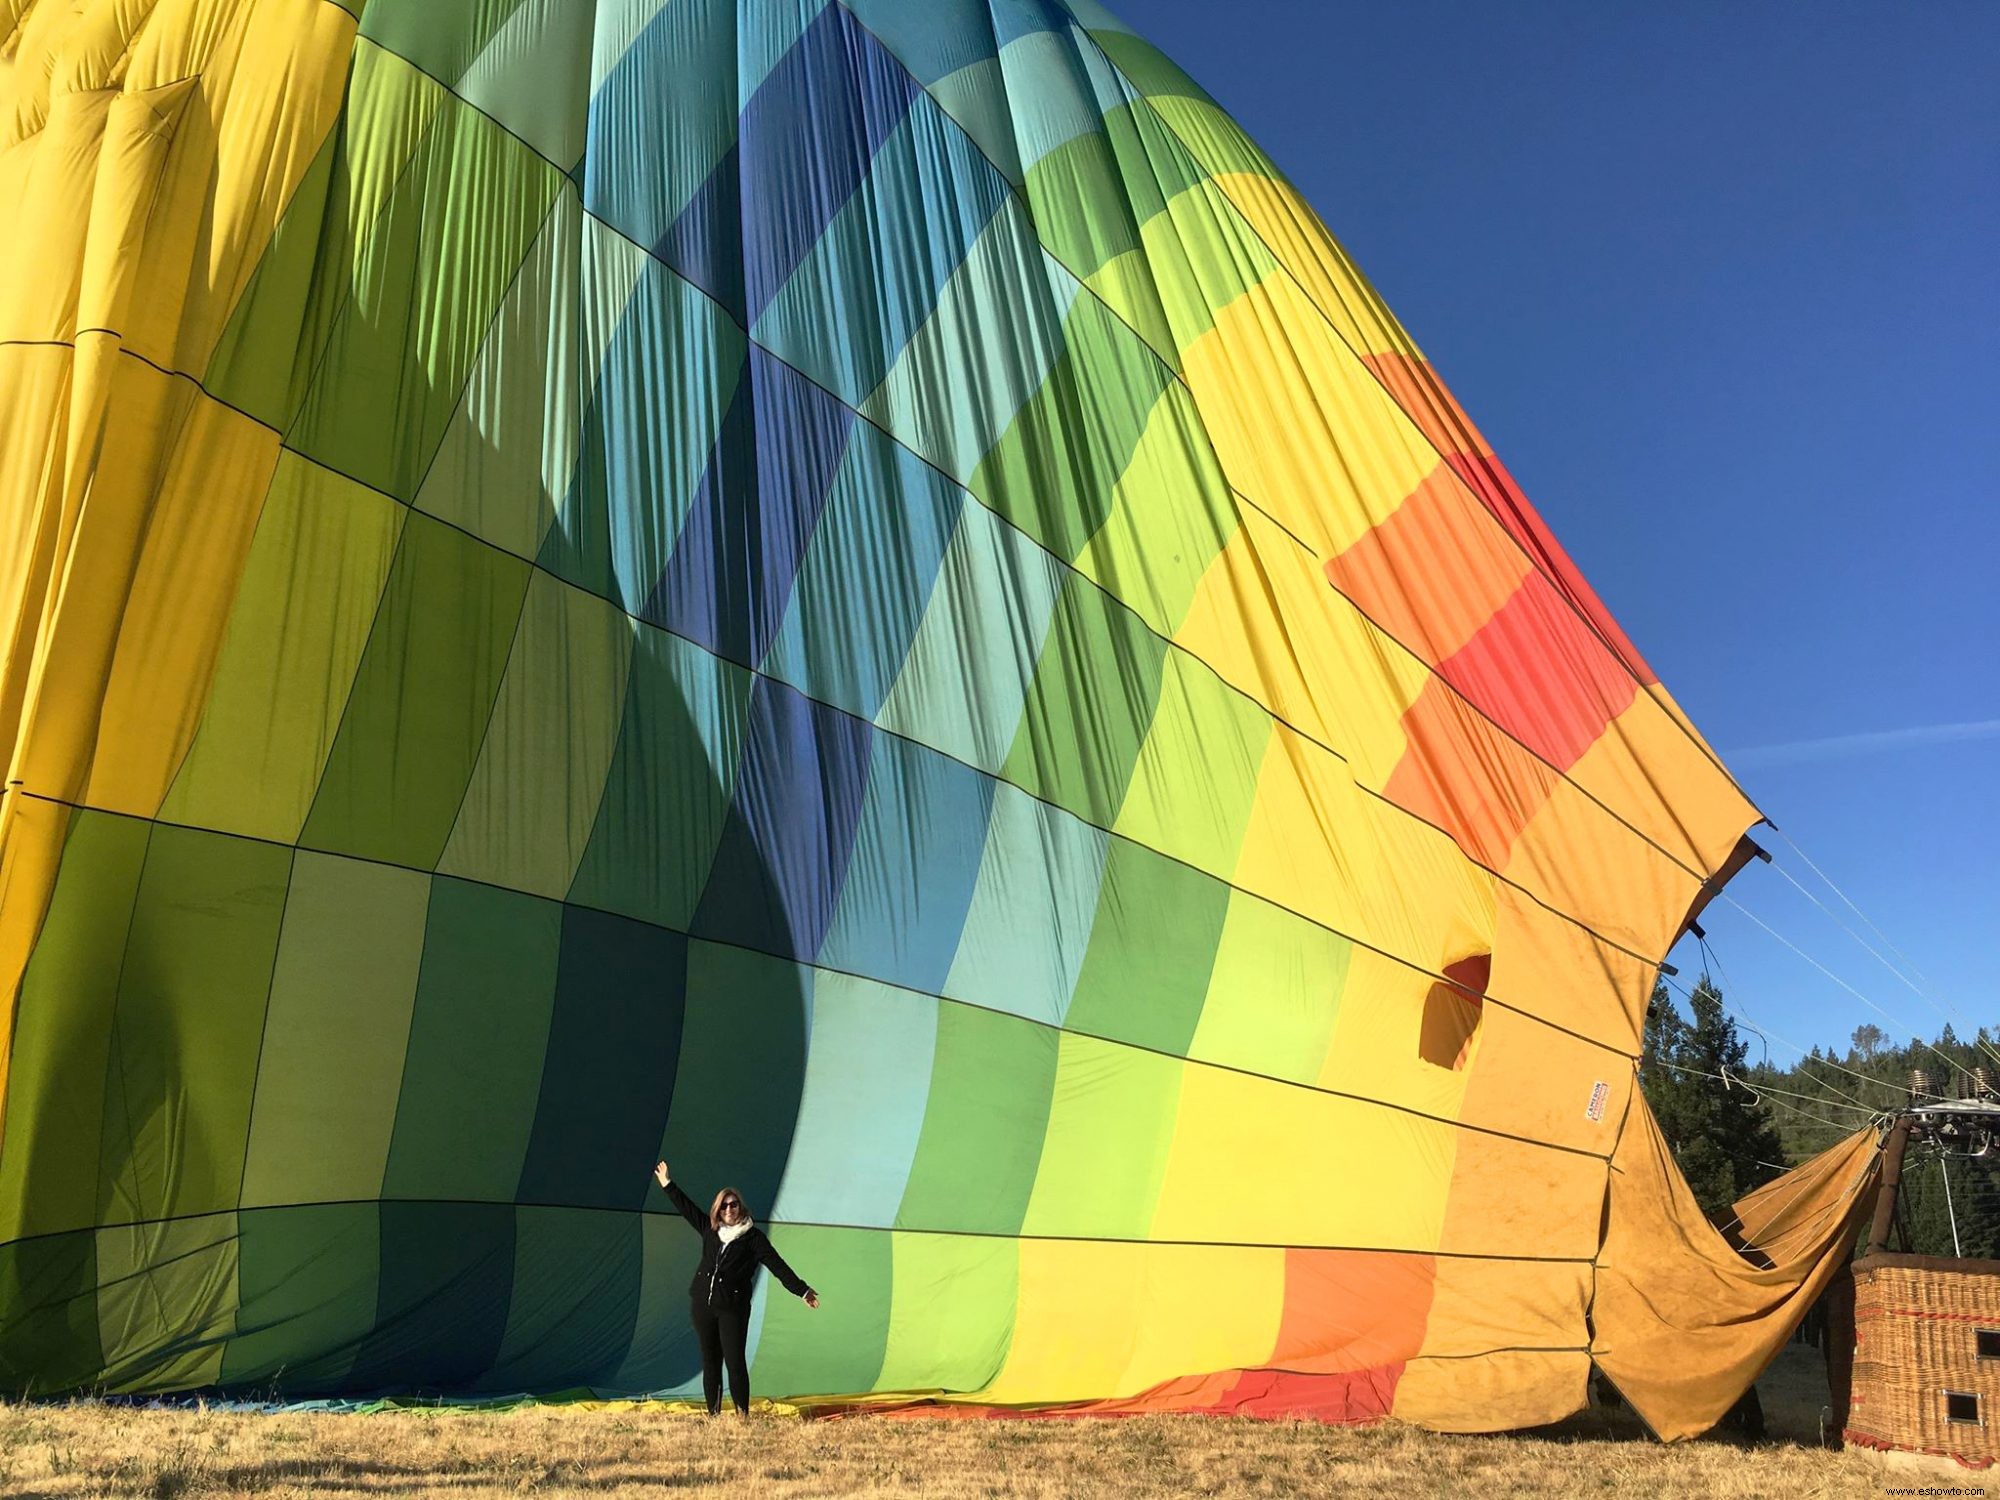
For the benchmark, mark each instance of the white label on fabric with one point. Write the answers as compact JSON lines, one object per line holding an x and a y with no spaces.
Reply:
{"x":1594,"y":1111}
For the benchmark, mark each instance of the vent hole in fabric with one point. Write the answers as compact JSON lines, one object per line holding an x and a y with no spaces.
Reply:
{"x":1961,"y":1406}
{"x":1452,"y":1011}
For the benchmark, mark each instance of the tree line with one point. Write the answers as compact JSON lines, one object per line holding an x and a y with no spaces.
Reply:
{"x":1735,"y":1121}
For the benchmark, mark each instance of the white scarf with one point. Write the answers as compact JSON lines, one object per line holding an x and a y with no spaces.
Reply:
{"x":729,"y":1234}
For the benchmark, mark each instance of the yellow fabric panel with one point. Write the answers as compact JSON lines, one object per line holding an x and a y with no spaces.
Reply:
{"x":1348,"y":860}
{"x":1532,"y":1080}
{"x":1499,"y":1392}
{"x":1286,"y":223}
{"x":1607,"y":877}
{"x":204,"y":514}
{"x":1479,"y":1305}
{"x":1684,"y":1323}
{"x":1103,"y":1319}
{"x":1515,"y":1197}
{"x":1373,"y":1049}
{"x":315,"y":573}
{"x":1265,"y":619}
{"x":1302,"y":427}
{"x":534,"y":793}
{"x":1551,"y":966}
{"x":35,"y":380}
{"x":1323,"y":1170}
{"x":1273,"y":993}
{"x":51,"y":178}
{"x":1683,"y":802}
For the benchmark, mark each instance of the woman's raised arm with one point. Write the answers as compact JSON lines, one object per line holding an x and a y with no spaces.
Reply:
{"x":689,"y":1209}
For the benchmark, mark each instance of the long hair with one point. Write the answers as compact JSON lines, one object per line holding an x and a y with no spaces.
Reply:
{"x":715,"y":1208}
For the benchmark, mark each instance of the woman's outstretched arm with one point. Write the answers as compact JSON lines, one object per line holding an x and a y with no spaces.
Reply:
{"x":767,"y":1254}
{"x":690,"y":1210}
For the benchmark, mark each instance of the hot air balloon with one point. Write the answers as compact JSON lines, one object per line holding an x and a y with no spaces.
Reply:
{"x":852,"y":593}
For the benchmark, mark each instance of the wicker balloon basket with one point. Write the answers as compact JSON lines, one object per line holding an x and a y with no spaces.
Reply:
{"x":1926,"y":1373}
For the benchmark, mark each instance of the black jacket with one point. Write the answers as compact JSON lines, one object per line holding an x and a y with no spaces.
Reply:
{"x":726,"y":1273}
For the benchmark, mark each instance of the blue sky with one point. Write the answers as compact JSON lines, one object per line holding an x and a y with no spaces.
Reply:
{"x":1718,"y":281}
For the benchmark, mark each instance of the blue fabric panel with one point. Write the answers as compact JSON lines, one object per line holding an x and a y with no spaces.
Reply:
{"x":867,"y":575}
{"x":915,"y":862}
{"x":732,"y":569}
{"x":874,"y":276}
{"x":805,"y":141}
{"x":705,"y":242}
{"x":785,"y":845}
{"x":607,"y":1076}
{"x":663,"y":119}
{"x":672,"y":368}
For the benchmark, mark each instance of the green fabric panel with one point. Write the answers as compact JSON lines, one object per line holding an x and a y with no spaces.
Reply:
{"x":62,"y":1033}
{"x":441,"y":39}
{"x":1111,"y":1125}
{"x":575,"y":1302}
{"x":48,"y":1340}
{"x":662,"y":1351}
{"x":303,"y":610}
{"x":1091,"y":193}
{"x":324,"y":251}
{"x":1273,"y":994}
{"x":534,"y":793}
{"x":306,"y":1280}
{"x":1146,"y":971}
{"x":1171,"y":515}
{"x":670,"y":782}
{"x":982,"y":1135}
{"x":189,"y":1020}
{"x":446,"y":1278}
{"x":473,"y":1068}
{"x":421,"y":700}
{"x":1204,"y":735}
{"x":952,"y":1317}
{"x":510,"y":447}
{"x":534,"y":77}
{"x":166,"y":1302}
{"x":448,"y":245}
{"x":741,"y":1072}
{"x":838,"y":1346}
{"x":1088,"y":711}
{"x":332,"y":1064}
{"x":1053,"y":472}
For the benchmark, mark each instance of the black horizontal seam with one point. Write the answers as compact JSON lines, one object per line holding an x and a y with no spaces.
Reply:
{"x":1066,"y":564}
{"x":536,"y":566}
{"x":669,"y":1214}
{"x":740,"y":947}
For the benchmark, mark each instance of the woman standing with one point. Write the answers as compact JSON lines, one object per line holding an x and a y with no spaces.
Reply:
{"x":732,"y":1247}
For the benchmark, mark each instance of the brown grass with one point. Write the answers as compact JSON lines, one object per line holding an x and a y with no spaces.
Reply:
{"x":93,"y":1449}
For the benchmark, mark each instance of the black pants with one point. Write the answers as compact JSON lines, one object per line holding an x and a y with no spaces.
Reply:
{"x":721,"y":1332}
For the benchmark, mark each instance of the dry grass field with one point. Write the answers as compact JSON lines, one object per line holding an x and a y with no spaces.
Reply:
{"x":97,"y":1449}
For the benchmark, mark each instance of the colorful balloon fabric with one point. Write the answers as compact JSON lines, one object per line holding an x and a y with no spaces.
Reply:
{"x":850,"y":593}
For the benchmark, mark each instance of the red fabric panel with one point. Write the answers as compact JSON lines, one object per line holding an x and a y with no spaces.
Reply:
{"x":1542,"y":674}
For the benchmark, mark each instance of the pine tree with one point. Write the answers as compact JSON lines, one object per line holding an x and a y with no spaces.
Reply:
{"x":1695,"y":1079}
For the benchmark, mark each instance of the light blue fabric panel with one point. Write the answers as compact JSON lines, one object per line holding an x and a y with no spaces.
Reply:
{"x":867,"y":575}
{"x":916,"y":858}
{"x":868,"y":1077}
{"x":963,"y":685}
{"x":1032,"y":910}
